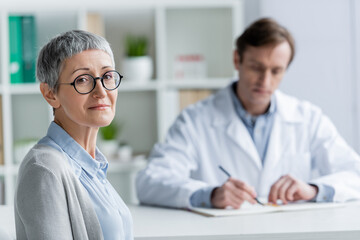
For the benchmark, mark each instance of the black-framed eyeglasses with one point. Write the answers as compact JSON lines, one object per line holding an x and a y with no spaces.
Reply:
{"x":85,"y":83}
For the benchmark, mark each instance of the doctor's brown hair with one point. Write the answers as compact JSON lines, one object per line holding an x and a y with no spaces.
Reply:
{"x":264,"y":31}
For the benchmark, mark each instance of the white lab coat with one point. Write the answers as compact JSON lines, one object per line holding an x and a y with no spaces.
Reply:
{"x":303,"y":143}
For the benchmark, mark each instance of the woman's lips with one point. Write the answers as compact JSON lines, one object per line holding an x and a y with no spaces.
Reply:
{"x":99,"y":107}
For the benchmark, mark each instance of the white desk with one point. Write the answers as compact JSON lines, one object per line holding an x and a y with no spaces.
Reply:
{"x":152,"y":223}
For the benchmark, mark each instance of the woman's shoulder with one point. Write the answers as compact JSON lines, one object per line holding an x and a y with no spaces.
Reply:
{"x":44,"y":157}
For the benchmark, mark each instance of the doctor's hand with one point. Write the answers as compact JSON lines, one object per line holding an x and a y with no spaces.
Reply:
{"x":288,"y":188}
{"x":232,"y":193}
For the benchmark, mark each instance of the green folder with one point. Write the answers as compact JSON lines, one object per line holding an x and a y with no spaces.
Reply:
{"x":16,"y":51}
{"x":29,"y":48}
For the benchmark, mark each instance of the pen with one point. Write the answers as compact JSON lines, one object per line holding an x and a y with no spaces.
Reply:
{"x":228,"y":174}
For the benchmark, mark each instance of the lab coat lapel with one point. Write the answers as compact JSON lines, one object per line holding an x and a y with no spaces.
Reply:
{"x":285,"y":117}
{"x":226,"y":118}
{"x":276,"y":145}
{"x":240,"y":135}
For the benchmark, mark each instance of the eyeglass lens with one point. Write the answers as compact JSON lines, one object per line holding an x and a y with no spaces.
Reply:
{"x":86,"y":83}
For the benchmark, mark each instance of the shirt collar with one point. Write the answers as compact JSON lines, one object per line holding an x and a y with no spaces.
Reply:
{"x":243,"y":114}
{"x":76,"y":152}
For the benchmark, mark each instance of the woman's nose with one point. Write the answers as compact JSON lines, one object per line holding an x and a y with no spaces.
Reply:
{"x":99,"y":90}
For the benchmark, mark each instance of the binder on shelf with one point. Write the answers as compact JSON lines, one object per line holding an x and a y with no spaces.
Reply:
{"x":29,"y":48}
{"x":22,"y":41}
{"x":190,"y":96}
{"x":15,"y":42}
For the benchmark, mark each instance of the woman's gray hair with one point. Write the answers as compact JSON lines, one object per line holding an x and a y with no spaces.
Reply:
{"x":63,"y":46}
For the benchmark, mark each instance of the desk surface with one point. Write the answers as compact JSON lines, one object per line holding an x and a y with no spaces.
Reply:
{"x":161,"y":223}
{"x":152,"y":223}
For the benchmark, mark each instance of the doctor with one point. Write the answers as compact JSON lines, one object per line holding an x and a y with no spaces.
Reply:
{"x":273,"y":145}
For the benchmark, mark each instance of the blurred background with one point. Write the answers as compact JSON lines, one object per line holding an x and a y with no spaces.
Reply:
{"x":171,"y":53}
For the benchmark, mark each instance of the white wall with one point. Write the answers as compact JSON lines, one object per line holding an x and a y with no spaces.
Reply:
{"x":324,"y":68}
{"x":356,"y":64}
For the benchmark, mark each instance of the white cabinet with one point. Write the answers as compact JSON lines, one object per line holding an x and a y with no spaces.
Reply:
{"x":146,"y":109}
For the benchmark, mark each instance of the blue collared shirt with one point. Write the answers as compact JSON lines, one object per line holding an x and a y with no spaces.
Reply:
{"x":113,"y":215}
{"x":259,"y":128}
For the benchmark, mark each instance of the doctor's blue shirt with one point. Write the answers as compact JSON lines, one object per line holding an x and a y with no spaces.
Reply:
{"x":113,"y":215}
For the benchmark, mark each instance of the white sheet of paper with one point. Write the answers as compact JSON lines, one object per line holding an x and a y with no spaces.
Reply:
{"x":248,"y":208}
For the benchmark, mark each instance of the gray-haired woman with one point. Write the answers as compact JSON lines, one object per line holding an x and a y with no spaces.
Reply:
{"x":62,"y":190}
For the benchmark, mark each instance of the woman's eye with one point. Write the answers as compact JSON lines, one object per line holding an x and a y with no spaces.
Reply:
{"x":108,"y":76}
{"x":82,"y":80}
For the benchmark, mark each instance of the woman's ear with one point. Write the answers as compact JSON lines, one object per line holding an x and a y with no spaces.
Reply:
{"x":49,"y":95}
